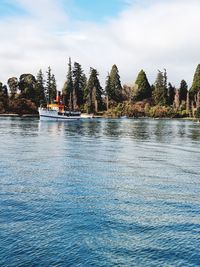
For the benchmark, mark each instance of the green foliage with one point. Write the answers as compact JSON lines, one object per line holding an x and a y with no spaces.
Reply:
{"x":161,"y":112}
{"x":3,"y":98}
{"x":160,"y":91}
{"x":27,"y":87}
{"x":50,"y":88}
{"x":108,"y":86}
{"x":142,"y":90}
{"x":68,"y":87}
{"x":53,"y":87}
{"x":94,"y":92}
{"x":171,"y":94}
{"x":183,"y":113}
{"x":40,"y":90}
{"x":183,"y":91}
{"x":197,"y":113}
{"x":29,"y":92}
{"x":127,"y":108}
{"x":13,"y":86}
{"x":196,"y":82}
{"x":74,"y":87}
{"x":113,"y":85}
{"x":147,"y":109}
{"x":79,"y":84}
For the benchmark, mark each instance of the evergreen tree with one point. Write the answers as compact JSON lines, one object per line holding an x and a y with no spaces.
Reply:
{"x":165,"y":79}
{"x":94,"y":92}
{"x":53,"y":87}
{"x":40,"y":90}
{"x":108,"y":85}
{"x":3,"y":98}
{"x":48,"y":86}
{"x":79,"y":83}
{"x":115,"y":89}
{"x":107,"y":90}
{"x":160,"y":91}
{"x":84,"y":84}
{"x":171,"y":94}
{"x":183,"y":91}
{"x":142,"y":89}
{"x":68,"y":87}
{"x":50,"y":89}
{"x":196,"y":82}
{"x":6,"y":97}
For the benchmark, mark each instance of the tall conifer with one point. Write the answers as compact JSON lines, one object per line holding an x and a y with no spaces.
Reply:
{"x":51,"y":88}
{"x":142,"y":89}
{"x":115,"y":90}
{"x":94,"y":92}
{"x":196,"y":82}
{"x":171,"y":94}
{"x":183,"y":91}
{"x":79,"y":84}
{"x":40,"y":90}
{"x":160,"y":91}
{"x":68,"y":87}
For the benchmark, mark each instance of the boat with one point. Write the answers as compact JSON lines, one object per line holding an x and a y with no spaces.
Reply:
{"x":57,"y":112}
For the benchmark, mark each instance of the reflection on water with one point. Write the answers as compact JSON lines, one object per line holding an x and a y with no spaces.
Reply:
{"x":99,"y":193}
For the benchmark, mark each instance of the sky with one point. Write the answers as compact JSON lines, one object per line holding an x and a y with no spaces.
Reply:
{"x":133,"y":34}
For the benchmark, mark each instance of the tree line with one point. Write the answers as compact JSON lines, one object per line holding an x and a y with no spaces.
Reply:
{"x":26,"y":93}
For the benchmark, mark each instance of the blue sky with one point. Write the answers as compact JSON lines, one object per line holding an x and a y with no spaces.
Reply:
{"x":133,"y":34}
{"x":94,"y":10}
{"x":89,"y":10}
{"x":9,"y":8}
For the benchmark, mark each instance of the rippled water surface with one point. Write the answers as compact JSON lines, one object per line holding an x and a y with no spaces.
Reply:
{"x":99,"y":193}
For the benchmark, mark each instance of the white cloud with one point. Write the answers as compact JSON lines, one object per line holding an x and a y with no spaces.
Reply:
{"x":164,"y":34}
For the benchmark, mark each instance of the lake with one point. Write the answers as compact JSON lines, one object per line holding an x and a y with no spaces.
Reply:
{"x":99,"y":192}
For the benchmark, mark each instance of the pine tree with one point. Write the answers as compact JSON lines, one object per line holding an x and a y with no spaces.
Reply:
{"x":171,"y":94}
{"x":53,"y":87}
{"x":188,"y":110}
{"x":79,"y":83}
{"x":160,"y":91}
{"x":115,"y":89}
{"x":196,"y":82}
{"x":108,"y":85}
{"x":94,"y":92}
{"x":183,"y":91}
{"x":142,"y":89}
{"x":68,"y":87}
{"x":40,"y":90}
{"x":50,"y":88}
{"x":107,"y":90}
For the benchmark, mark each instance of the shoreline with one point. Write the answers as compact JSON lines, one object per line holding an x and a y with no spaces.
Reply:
{"x":13,"y":115}
{"x":19,"y":116}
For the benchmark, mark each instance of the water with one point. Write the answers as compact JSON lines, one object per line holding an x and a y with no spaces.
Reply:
{"x":99,"y":193}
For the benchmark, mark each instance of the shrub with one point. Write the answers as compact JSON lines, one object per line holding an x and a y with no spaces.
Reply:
{"x":22,"y":106}
{"x":161,"y":112}
{"x":197,"y":113}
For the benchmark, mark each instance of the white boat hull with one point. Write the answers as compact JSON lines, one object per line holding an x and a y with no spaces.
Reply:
{"x":52,"y":115}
